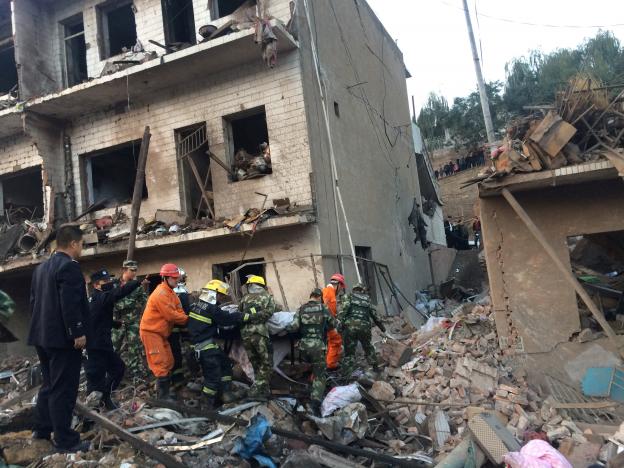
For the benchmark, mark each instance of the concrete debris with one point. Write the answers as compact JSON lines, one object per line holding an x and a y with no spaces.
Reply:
{"x":410,"y":413}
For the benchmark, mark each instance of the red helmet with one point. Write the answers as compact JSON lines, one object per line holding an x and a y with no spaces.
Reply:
{"x":169,"y":269}
{"x":338,"y":277}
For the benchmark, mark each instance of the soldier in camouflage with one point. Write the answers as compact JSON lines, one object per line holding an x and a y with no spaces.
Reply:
{"x":126,"y":339}
{"x":257,"y":307}
{"x":314,"y":320}
{"x":7,"y":306}
{"x":357,"y":316}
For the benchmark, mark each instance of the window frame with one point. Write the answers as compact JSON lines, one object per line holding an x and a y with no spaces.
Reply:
{"x":103,"y":11}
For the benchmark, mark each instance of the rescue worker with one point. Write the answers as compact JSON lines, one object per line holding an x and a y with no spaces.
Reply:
{"x":257,"y":307}
{"x":104,"y":368}
{"x":175,"y":339}
{"x":162,"y":312}
{"x":204,"y":319}
{"x":314,"y":320}
{"x":356,"y":317}
{"x":58,"y":328}
{"x":7,"y":308}
{"x":331,"y":292}
{"x":128,"y":310}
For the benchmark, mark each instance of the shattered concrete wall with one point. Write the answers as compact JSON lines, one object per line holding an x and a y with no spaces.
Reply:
{"x":35,"y":40}
{"x":364,"y":75}
{"x":279,"y":90}
{"x":536,"y":309}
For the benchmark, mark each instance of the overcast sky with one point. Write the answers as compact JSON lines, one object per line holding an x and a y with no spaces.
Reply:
{"x":433,"y":38}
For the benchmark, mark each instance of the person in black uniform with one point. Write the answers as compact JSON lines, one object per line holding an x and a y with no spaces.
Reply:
{"x":104,"y":368}
{"x":58,"y":329}
{"x":175,"y":339}
{"x":204,"y":319}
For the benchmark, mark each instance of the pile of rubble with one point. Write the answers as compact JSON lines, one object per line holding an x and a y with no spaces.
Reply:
{"x":584,"y":125}
{"x":29,"y":238}
{"x":439,"y":387}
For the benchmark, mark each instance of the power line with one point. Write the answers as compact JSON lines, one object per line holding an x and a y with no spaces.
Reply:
{"x":541,"y":25}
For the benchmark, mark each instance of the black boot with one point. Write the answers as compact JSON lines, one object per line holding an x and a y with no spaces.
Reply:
{"x":164,"y":389}
{"x":209,"y":403}
{"x":108,"y":402}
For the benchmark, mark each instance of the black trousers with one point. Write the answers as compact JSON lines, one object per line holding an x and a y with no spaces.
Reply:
{"x":57,"y":396}
{"x":175,"y":341}
{"x":217,"y":371}
{"x":104,"y":370}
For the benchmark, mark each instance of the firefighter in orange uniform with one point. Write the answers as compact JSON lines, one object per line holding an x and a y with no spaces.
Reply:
{"x":162,"y":312}
{"x":334,"y":341}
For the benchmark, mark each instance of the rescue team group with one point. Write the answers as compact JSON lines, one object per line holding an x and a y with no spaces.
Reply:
{"x":120,"y":325}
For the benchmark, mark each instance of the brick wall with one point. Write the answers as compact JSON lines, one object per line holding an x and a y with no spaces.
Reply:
{"x":228,"y":92}
{"x":45,"y":21}
{"x":17,"y":153}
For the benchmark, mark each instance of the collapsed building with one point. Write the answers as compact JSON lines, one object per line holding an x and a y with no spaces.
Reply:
{"x":257,"y":111}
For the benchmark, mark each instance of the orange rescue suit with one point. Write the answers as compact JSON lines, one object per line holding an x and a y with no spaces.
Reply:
{"x":334,"y":341}
{"x":162,"y":312}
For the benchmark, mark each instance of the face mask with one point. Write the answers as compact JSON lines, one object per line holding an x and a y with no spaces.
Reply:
{"x":108,"y":287}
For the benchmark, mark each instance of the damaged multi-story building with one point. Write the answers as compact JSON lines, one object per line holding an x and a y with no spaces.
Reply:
{"x":265,"y":106}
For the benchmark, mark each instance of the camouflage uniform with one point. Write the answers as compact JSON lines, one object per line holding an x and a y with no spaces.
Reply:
{"x":257,"y":308}
{"x":7,"y":306}
{"x":313,"y":320}
{"x":356,"y":316}
{"x":126,"y":339}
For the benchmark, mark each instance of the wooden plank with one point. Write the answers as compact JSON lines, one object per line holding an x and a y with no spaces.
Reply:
{"x":137,"y":193}
{"x":219,"y":162}
{"x":565,"y":271}
{"x":281,"y":287}
{"x":205,"y":194}
{"x":585,"y":405}
{"x":139,"y":444}
{"x":553,"y":133}
{"x":21,"y":397}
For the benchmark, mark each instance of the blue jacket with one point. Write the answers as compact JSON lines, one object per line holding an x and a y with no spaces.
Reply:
{"x":101,"y":306}
{"x":58,"y":303}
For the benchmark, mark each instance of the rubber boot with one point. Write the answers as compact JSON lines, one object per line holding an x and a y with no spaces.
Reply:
{"x":164,"y":389}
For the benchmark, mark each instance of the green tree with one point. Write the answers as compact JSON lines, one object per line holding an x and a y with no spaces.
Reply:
{"x":432,"y":119}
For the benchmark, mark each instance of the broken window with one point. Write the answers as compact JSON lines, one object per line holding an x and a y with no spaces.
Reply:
{"x":223,"y":271}
{"x":21,"y":195}
{"x":248,"y":137}
{"x":108,"y":175}
{"x":221,"y":8}
{"x":194,"y":171}
{"x":598,"y":262}
{"x":75,"y":50}
{"x":117,"y":29}
{"x":179,"y":22}
{"x":366,"y":267}
{"x":8,"y":69}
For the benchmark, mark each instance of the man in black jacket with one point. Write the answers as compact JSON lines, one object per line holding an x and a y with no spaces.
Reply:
{"x":58,"y":328}
{"x":104,"y":367}
{"x":204,"y":319}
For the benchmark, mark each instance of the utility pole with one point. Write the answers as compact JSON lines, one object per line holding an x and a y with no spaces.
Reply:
{"x":485,"y":105}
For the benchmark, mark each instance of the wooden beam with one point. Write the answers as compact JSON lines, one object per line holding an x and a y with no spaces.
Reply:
{"x":19,"y":398}
{"x":137,"y":443}
{"x":281,"y":287}
{"x":565,"y":271}
{"x":137,"y":194}
{"x":207,"y":197}
{"x":219,"y":162}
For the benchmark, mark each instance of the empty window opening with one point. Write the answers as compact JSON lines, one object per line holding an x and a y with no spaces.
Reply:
{"x":221,"y":8}
{"x":598,"y":262}
{"x":75,"y":50}
{"x":336,"y":109}
{"x":118,"y":29}
{"x":21,"y":195}
{"x":179,"y":22}
{"x":109,"y":175}
{"x":8,"y":68}
{"x":366,"y":267}
{"x":248,"y":138}
{"x":194,"y":171}
{"x":223,"y":271}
